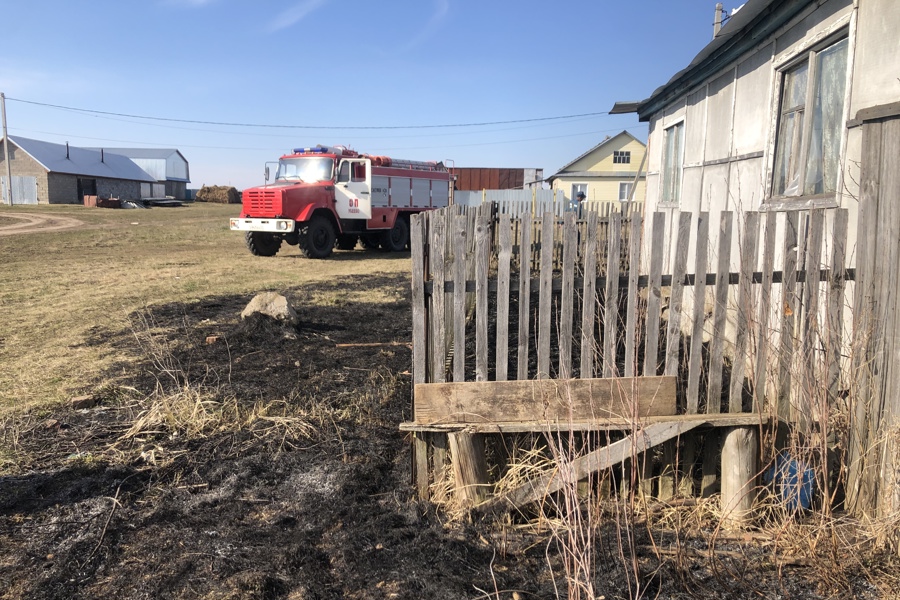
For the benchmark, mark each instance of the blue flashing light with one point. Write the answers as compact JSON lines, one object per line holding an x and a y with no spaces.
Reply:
{"x":318,"y":150}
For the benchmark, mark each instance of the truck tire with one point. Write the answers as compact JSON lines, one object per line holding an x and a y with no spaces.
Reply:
{"x":317,"y":238}
{"x":263,"y":244}
{"x":396,"y":238}
{"x":346,"y":241}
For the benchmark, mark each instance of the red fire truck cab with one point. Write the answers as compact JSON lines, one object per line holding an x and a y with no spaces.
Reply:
{"x":327,"y":197}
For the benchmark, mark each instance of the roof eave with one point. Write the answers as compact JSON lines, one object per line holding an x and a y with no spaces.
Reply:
{"x":747,"y":29}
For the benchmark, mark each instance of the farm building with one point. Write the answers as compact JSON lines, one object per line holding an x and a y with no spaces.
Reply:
{"x":48,"y":173}
{"x":167,"y":165}
{"x":607,"y":173}
{"x":792,"y":114}
{"x":475,"y":179}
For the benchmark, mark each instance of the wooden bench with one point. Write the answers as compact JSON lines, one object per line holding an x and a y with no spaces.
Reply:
{"x":456,"y":416}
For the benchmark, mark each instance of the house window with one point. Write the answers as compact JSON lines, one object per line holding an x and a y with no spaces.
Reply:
{"x":621,"y":157}
{"x":672,"y":160}
{"x":808,"y":146}
{"x":625,"y":190}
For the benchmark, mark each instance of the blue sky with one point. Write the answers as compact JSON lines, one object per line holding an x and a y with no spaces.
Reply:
{"x":334,"y":67}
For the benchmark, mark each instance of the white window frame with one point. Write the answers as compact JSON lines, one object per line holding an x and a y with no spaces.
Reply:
{"x":625,"y":186}
{"x":807,"y":57}
{"x":671,"y":175}
{"x":576,"y":187}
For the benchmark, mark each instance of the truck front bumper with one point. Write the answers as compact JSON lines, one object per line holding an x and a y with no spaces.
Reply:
{"x":267,"y":225}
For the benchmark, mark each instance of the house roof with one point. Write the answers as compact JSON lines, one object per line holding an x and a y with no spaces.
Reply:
{"x":159,"y":153}
{"x":81,"y":161}
{"x":597,"y":147}
{"x":755,"y":21}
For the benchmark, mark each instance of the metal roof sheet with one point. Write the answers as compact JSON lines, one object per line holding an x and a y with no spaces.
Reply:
{"x":161,"y":153}
{"x":81,"y":161}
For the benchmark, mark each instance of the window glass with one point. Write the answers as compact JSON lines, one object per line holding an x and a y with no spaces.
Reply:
{"x":827,"y":120}
{"x":625,"y":190}
{"x":344,"y":174}
{"x":674,"y":153}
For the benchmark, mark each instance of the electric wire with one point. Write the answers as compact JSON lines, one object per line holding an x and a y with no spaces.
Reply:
{"x":329,"y":127}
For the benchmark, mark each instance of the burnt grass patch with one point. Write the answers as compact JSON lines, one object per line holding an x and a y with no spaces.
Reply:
{"x":234,"y":459}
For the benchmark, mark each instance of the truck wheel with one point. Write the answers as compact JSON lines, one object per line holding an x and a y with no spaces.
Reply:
{"x":317,"y":238}
{"x":263,"y":244}
{"x":395,"y":239}
{"x":346,"y":241}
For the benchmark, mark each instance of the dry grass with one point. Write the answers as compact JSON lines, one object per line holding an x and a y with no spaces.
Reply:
{"x":57,"y":287}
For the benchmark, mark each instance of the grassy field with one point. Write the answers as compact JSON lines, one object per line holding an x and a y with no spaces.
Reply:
{"x":56,"y":287}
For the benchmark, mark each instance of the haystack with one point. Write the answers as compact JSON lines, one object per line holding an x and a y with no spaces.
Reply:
{"x":219,"y":194}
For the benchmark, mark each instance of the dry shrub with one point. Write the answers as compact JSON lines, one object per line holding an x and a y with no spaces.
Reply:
{"x":219,"y":194}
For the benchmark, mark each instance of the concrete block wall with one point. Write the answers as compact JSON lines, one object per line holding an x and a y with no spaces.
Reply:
{"x":22,"y":165}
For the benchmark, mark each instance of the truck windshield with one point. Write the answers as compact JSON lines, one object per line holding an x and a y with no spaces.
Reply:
{"x":307,"y":169}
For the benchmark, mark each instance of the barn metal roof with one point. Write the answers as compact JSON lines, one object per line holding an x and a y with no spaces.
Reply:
{"x":81,"y":161}
{"x":160,"y":153}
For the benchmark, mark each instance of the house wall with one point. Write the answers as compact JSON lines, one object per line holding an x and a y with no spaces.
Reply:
{"x":602,"y":175}
{"x":21,"y":164}
{"x":602,"y":158}
{"x":604,"y":189}
{"x":730,"y":120}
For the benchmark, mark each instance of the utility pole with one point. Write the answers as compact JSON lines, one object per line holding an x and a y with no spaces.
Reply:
{"x":9,"y":198}
{"x":720,"y":19}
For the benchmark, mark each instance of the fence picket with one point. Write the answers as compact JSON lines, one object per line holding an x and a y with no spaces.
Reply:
{"x":744,"y":309}
{"x":765,"y":307}
{"x":589,"y":297}
{"x":720,"y":316}
{"x":545,"y":304}
{"x":811,"y":308}
{"x":654,"y":296}
{"x":437,"y":247}
{"x":570,"y":253}
{"x":676,"y":299}
{"x":631,"y":320}
{"x":611,"y":298}
{"x":699,"y":314}
{"x":503,"y":272}
{"x":836,"y":290}
{"x":524,"y":297}
{"x":459,"y":297}
{"x":482,"y":258}
{"x":789,"y":307}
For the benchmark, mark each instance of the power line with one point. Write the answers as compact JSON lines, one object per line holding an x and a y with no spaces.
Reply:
{"x":330,"y":127}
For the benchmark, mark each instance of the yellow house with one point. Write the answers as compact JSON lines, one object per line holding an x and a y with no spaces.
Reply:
{"x":606,"y":173}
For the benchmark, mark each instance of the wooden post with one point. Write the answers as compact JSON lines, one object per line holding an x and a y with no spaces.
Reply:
{"x":469,"y":467}
{"x":740,"y":449}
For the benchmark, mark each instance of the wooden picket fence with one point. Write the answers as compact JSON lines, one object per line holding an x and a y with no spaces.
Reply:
{"x":746,"y":323}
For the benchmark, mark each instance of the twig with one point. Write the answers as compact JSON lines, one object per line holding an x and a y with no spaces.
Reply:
{"x":115,"y":500}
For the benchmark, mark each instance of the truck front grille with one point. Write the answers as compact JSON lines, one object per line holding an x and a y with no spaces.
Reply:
{"x":264,"y":203}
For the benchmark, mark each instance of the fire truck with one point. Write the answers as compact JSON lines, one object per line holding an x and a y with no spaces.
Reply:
{"x":329,"y":196}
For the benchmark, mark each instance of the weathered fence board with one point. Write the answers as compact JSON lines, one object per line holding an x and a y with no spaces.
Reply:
{"x":544,"y":400}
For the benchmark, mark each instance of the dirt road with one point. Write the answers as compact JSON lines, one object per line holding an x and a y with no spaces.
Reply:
{"x":32,"y":223}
